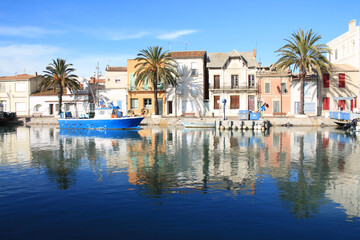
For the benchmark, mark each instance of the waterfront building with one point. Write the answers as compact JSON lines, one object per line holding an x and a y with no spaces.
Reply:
{"x":190,"y":96}
{"x":311,"y":102}
{"x":15,"y":92}
{"x":340,"y":89}
{"x":274,"y":91}
{"x":141,"y":97}
{"x":116,"y":87}
{"x":232,"y":77}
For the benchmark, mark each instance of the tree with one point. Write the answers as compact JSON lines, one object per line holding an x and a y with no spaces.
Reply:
{"x":302,"y":52}
{"x":59,"y":75}
{"x":157,"y":67}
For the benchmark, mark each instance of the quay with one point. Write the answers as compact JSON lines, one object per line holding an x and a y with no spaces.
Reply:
{"x":299,"y":121}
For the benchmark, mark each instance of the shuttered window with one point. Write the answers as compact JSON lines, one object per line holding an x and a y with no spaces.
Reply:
{"x":326,"y":80}
{"x":217,"y":81}
{"x":234,"y":102}
{"x":326,"y":103}
{"x":216,"y":102}
{"x":341,"y":80}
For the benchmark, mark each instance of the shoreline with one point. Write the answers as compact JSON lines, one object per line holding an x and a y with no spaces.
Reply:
{"x":304,"y":121}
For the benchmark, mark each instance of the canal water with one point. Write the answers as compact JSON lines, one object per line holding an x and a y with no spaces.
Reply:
{"x":175,"y":183}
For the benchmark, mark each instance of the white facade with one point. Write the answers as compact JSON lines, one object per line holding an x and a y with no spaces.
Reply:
{"x":232,"y":77}
{"x":346,"y":47}
{"x":188,"y":97}
{"x":310,"y":97}
{"x":115,"y":87}
{"x":48,"y":105}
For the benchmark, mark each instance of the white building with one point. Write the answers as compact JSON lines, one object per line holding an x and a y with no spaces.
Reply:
{"x":346,"y":47}
{"x":232,"y":77}
{"x":190,"y":97}
{"x":116,"y":86}
{"x":311,"y":102}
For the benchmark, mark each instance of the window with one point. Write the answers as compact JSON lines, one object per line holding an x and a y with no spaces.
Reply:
{"x":336,"y":52}
{"x":267,"y":87}
{"x":234,"y":81}
{"x":326,"y":103}
{"x":326,"y":80}
{"x":251,"y":82}
{"x":341,"y":80}
{"x":251,"y":102}
{"x":307,"y":92}
{"x":216,"y":102}
{"x":20,"y":87}
{"x":217,"y":81}
{"x":134,"y":103}
{"x":283,"y":88}
{"x":234,"y":102}
{"x":194,"y":89}
{"x":341,"y":104}
{"x":2,"y":87}
{"x":194,"y":69}
{"x":147,"y":103}
{"x":276,"y":106}
{"x":19,"y":107}
{"x":117,"y":80}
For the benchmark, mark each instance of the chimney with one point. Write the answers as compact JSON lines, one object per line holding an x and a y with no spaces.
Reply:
{"x":352,"y":25}
{"x":254,"y":53}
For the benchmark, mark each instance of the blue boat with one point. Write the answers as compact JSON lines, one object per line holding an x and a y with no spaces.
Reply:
{"x":343,"y":118}
{"x":104,"y":118}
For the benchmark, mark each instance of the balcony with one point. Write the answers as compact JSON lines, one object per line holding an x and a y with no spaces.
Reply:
{"x":234,"y":89}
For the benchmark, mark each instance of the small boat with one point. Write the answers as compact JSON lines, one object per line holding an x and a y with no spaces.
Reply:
{"x":199,"y":125}
{"x":343,"y":119}
{"x":6,"y":117}
{"x":105,"y":117}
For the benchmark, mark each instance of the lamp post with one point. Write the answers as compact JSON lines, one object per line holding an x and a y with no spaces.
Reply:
{"x":224,"y":102}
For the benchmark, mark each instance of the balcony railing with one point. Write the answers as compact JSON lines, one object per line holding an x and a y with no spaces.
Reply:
{"x":234,"y":88}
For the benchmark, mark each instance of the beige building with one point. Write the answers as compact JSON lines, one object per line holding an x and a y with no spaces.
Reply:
{"x":15,"y":92}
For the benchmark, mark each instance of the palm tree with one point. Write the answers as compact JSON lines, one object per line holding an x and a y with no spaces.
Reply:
{"x":157,"y":67}
{"x":59,"y":75}
{"x":302,"y":52}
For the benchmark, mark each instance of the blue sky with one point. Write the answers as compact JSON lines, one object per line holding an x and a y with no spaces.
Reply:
{"x":85,"y":32}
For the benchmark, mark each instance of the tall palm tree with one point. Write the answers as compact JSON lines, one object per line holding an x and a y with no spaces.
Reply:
{"x":156,"y":66}
{"x":303,"y":53}
{"x":59,"y":75}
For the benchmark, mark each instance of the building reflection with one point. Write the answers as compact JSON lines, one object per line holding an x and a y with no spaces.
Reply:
{"x":306,"y":164}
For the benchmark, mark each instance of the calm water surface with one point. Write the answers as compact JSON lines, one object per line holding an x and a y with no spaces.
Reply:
{"x":171,"y":183}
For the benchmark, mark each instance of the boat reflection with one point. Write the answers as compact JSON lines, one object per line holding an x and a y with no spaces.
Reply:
{"x":95,"y":133}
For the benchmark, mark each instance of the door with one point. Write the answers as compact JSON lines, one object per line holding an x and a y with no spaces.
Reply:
{"x":51,"y":109}
{"x":160,"y":103}
{"x":297,"y":107}
{"x":169,"y":107}
{"x":251,"y":103}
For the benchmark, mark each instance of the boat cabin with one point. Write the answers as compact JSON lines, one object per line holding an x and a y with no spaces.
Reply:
{"x":107,"y":112}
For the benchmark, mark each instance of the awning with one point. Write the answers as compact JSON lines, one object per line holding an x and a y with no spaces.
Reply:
{"x":343,"y":98}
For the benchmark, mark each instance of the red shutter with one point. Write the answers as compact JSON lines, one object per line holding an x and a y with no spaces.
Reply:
{"x":326,"y":80}
{"x":341,"y":103}
{"x":341,"y":80}
{"x":326,"y":103}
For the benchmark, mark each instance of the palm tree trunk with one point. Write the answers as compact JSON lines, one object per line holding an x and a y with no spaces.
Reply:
{"x":302,"y":83}
{"x":60,"y":93}
{"x":155,"y":95}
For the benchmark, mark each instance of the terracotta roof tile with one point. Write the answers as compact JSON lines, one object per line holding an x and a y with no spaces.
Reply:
{"x":17,"y":77}
{"x":188,"y":54}
{"x":116,"y":69}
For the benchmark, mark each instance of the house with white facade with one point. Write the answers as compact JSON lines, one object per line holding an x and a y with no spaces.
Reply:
{"x":190,"y":96}
{"x":116,"y":87}
{"x":311,"y":101}
{"x":232,"y":78}
{"x":15,"y":92}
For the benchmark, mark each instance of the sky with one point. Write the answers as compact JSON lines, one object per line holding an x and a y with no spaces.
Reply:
{"x":108,"y":32}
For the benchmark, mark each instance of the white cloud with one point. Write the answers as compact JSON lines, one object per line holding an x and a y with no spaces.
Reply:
{"x":34,"y":58}
{"x":176,"y":34}
{"x":116,"y":36}
{"x":26,"y":31}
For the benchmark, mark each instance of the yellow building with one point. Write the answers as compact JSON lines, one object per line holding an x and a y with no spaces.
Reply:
{"x":141,"y":96}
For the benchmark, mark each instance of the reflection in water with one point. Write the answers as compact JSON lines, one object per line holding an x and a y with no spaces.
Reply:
{"x":309,"y":167}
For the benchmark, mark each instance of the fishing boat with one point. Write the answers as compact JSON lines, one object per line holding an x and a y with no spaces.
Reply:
{"x":105,"y":117}
{"x":343,"y":119}
{"x":198,"y":125}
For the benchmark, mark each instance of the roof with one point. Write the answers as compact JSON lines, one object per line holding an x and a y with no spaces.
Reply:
{"x":188,"y":54}
{"x":218,"y":60}
{"x":49,"y":92}
{"x":343,"y":68}
{"x":17,"y":77}
{"x":116,"y":69}
{"x":101,"y":80}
